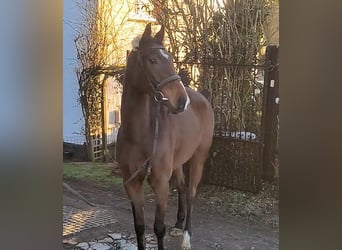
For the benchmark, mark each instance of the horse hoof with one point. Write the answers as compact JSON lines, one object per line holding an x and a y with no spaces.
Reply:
{"x":186,"y":247}
{"x":176,"y":232}
{"x":186,"y":241}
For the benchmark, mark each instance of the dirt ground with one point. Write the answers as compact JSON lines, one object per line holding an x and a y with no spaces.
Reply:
{"x":214,"y":227}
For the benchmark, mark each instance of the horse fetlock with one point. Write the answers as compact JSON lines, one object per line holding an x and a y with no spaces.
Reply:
{"x":140,"y":232}
{"x":179,"y":224}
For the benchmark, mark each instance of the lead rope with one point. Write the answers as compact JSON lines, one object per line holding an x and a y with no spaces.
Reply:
{"x":149,"y":160}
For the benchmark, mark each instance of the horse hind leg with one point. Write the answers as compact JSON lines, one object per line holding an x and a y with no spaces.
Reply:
{"x":195,"y":175}
{"x":135,"y":192}
{"x":181,"y":188}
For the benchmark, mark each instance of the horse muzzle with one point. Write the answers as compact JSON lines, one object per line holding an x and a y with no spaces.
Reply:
{"x":175,"y":98}
{"x":182,"y":105}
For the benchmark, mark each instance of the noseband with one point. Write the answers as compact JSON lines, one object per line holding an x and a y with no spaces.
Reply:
{"x":158,"y":94}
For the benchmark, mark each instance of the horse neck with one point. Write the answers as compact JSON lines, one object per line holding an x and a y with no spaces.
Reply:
{"x":137,"y":113}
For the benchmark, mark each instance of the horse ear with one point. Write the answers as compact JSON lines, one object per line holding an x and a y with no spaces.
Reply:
{"x":160,"y":35}
{"x":148,"y":31}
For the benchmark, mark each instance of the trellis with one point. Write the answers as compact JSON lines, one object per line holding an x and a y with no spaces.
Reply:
{"x":97,"y":50}
{"x":91,"y":92}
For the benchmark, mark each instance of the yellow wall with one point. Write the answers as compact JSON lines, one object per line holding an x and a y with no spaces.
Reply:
{"x":121,"y":25}
{"x":118,"y":15}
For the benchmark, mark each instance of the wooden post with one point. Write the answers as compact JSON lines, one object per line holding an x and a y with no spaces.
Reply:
{"x":270,"y":111}
{"x":104,"y":119}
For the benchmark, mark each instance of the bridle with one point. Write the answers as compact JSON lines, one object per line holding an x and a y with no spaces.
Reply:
{"x":157,"y":87}
{"x":158,"y":94}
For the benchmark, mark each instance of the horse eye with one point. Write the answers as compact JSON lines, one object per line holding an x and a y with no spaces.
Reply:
{"x":153,"y":60}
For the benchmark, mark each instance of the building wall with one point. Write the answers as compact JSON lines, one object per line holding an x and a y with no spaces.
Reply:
{"x":125,"y":20}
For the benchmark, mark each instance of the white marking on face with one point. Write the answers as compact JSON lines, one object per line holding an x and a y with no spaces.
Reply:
{"x":187,"y":103}
{"x":186,"y":241}
{"x":163,"y":53}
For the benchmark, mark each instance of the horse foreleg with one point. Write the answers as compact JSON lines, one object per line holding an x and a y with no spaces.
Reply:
{"x":135,"y":192}
{"x":178,"y":229}
{"x":161,"y":190}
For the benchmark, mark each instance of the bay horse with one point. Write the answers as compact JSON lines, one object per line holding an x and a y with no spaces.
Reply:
{"x":163,"y":126}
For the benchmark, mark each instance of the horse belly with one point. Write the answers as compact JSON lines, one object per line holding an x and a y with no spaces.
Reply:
{"x":187,"y":143}
{"x":195,"y":130}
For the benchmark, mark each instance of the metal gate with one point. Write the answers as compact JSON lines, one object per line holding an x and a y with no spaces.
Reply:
{"x":245,"y":105}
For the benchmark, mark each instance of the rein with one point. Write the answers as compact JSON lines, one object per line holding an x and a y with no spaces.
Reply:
{"x":148,"y":163}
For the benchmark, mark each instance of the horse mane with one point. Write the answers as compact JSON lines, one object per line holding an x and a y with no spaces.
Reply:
{"x":185,"y":75}
{"x":131,"y":65}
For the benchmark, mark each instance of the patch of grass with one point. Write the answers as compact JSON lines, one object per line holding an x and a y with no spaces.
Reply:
{"x":98,"y":173}
{"x":263,"y":206}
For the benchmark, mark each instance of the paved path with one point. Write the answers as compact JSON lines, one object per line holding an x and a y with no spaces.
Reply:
{"x":111,"y":228}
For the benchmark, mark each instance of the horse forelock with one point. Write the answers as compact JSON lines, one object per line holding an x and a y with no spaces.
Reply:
{"x":135,"y":43}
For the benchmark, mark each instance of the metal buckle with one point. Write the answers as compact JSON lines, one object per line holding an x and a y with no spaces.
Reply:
{"x":159,"y":97}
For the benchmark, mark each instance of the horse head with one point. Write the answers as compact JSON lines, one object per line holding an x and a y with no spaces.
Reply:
{"x":157,"y":66}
